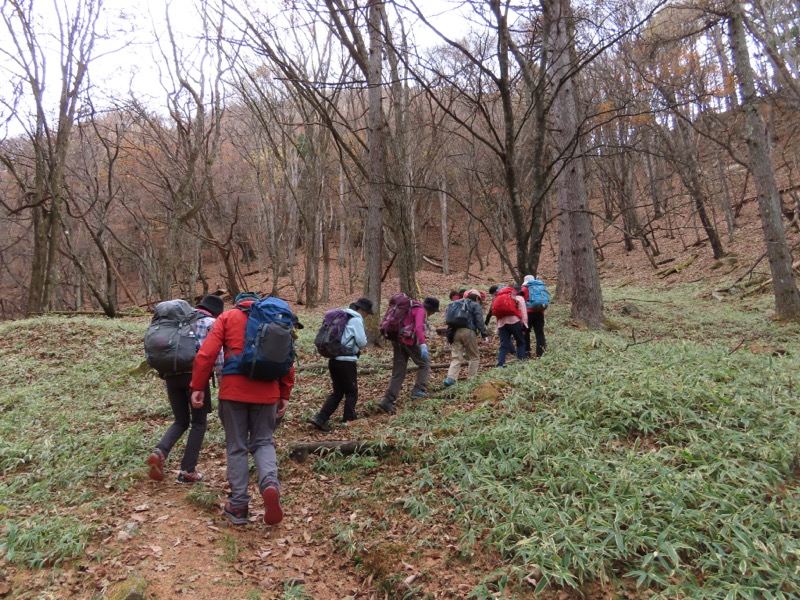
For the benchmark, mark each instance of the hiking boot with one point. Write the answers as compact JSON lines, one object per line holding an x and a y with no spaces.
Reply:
{"x":448,"y":382}
{"x":273,"y":513}
{"x":156,"y":461}
{"x":193,"y":477}
{"x":236,"y":514}
{"x":387,"y":406}
{"x":417,"y":395}
{"x":317,"y":422}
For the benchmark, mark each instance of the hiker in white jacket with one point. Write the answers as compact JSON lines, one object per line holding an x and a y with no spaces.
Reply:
{"x":343,"y":369}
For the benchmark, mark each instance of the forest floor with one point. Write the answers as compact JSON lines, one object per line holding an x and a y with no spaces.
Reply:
{"x":174,"y":537}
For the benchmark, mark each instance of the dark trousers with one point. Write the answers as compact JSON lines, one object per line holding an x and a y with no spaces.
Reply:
{"x":510,"y":334}
{"x":180,"y":399}
{"x":535,"y":322}
{"x":344,"y":377}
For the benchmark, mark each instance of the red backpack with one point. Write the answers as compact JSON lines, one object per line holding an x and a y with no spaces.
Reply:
{"x":505,"y":304}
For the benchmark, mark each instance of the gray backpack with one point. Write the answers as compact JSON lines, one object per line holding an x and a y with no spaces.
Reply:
{"x":457,"y":314}
{"x":170,"y":343}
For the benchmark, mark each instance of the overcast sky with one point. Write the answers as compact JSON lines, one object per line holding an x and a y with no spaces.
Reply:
{"x":129,"y":58}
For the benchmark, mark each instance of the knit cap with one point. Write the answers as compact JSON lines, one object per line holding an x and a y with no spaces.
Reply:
{"x":246,"y":296}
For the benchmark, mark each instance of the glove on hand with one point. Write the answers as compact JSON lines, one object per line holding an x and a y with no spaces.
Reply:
{"x":424,"y":351}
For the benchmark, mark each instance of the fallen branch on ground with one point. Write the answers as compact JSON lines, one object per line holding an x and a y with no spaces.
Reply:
{"x":432,"y":262}
{"x":368,"y":370}
{"x":301,"y":451}
{"x":761,"y":286}
{"x":677,"y":268}
{"x":634,"y":342}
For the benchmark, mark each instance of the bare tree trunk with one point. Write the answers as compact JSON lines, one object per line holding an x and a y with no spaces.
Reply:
{"x":445,"y":236}
{"x":725,"y":69}
{"x":787,"y":297}
{"x":344,"y":247}
{"x":689,"y":172}
{"x":400,"y":199}
{"x":377,"y":159}
{"x":587,"y":299}
{"x":326,"y":266}
{"x":565,"y":282}
{"x":653,"y":183}
{"x":727,"y":205}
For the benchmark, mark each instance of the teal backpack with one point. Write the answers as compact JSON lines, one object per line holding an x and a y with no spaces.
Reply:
{"x":538,"y":297}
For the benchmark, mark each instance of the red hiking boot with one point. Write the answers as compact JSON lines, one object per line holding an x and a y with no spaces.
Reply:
{"x":238,"y":515}
{"x":273,"y":513}
{"x":156,"y":462}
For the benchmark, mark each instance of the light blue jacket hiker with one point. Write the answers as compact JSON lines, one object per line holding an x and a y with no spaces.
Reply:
{"x":354,"y":338}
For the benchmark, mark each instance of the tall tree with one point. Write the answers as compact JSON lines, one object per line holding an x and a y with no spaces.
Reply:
{"x":586,"y":297}
{"x":182,"y":151}
{"x":787,"y":297}
{"x":377,"y":153}
{"x":475,"y":83}
{"x":92,"y":193}
{"x":363,"y":156}
{"x":49,"y":128}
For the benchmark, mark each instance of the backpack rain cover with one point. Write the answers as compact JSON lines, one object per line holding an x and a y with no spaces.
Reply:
{"x":538,"y":296}
{"x":170,"y":342}
{"x":457,"y":314}
{"x":505,"y":304}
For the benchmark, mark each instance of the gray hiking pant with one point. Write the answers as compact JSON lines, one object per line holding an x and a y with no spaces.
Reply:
{"x":248,"y":428}
{"x":402,"y":353}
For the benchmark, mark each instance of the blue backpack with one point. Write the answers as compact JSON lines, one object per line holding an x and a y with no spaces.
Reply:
{"x":538,"y":296}
{"x":268,"y":352}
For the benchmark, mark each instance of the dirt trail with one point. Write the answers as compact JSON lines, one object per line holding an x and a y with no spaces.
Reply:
{"x":182,"y":549}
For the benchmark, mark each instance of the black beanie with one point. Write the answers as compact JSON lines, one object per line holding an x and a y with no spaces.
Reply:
{"x":213,"y":304}
{"x":430,"y":303}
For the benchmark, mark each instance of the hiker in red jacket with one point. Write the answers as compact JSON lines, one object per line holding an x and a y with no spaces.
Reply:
{"x":249,"y":410}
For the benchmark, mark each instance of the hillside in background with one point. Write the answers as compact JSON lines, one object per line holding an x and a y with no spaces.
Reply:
{"x":683,"y":258}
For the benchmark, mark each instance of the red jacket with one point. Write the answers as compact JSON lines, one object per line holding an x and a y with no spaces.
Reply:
{"x":228,"y":334}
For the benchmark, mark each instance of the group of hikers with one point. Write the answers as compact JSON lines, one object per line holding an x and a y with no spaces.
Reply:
{"x":249,"y":350}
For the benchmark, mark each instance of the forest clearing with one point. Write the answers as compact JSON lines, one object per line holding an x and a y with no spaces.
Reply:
{"x":656,"y":459}
{"x":640,"y":157}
